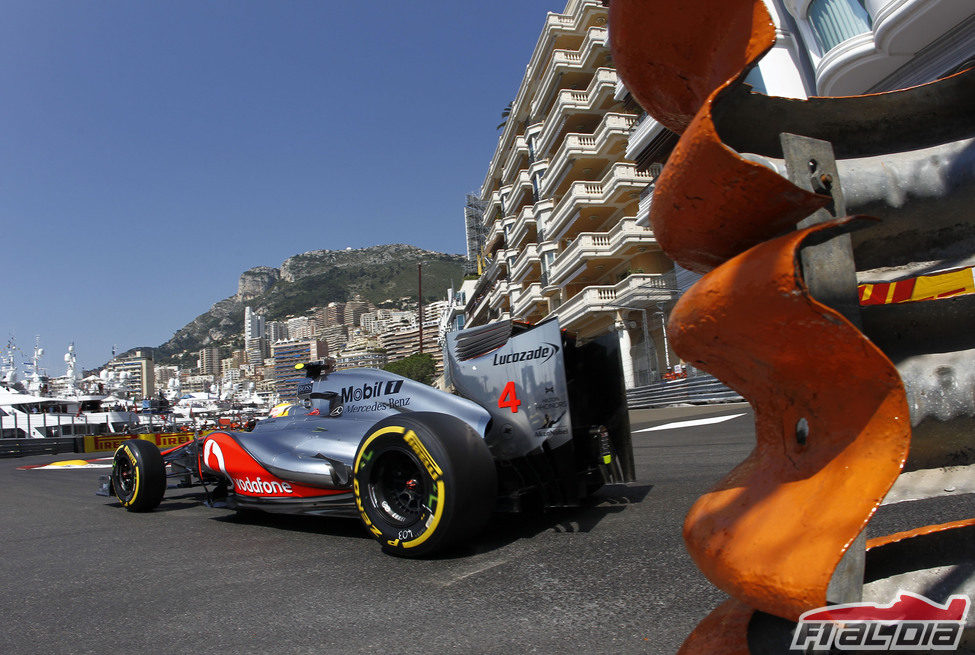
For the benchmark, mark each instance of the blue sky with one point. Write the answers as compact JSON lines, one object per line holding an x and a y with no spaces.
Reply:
{"x":151,"y":151}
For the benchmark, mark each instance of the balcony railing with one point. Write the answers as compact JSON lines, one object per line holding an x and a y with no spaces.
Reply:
{"x":493,"y":205}
{"x":621,"y":178}
{"x":594,"y":46}
{"x":524,"y":307}
{"x":494,"y":238}
{"x":520,"y":185}
{"x":497,"y":294}
{"x":557,"y":25}
{"x":525,"y":262}
{"x":634,"y":291}
{"x":596,"y":245}
{"x":613,"y":128}
{"x":518,"y":152}
{"x":522,"y":226}
{"x":569,"y":102}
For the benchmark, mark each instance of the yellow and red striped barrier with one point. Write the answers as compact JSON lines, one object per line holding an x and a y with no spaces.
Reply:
{"x":98,"y":443}
{"x":957,"y":282}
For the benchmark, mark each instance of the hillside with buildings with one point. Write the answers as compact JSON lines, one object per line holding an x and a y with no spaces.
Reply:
{"x":381,"y":276}
{"x":357,"y":305}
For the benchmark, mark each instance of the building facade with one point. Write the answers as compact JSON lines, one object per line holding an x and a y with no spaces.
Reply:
{"x":137,"y":374}
{"x":254,"y":325}
{"x":210,"y":361}
{"x":301,"y":327}
{"x":374,"y":358}
{"x":277,"y":331}
{"x":568,"y":191}
{"x":562,"y":202}
{"x":288,"y":353}
{"x":400,"y":344}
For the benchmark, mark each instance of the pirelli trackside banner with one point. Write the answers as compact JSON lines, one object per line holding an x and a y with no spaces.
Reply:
{"x":94,"y":444}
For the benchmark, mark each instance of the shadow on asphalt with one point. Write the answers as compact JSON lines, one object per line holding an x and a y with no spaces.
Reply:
{"x":501,"y":531}
{"x":506,"y":529}
{"x":173,"y":501}
{"x":335,"y":526}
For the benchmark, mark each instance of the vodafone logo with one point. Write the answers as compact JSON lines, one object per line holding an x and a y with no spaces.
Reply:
{"x":213,"y":456}
{"x":259,"y":486}
{"x":214,"y":460}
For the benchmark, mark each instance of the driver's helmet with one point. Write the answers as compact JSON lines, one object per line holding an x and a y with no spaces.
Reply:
{"x":281,"y":409}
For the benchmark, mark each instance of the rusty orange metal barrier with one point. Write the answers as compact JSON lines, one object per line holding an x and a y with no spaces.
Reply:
{"x":777,"y":318}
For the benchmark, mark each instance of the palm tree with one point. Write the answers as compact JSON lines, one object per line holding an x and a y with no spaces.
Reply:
{"x":505,"y":113}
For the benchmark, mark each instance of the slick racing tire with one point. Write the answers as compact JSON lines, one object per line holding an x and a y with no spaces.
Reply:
{"x":422,"y":482}
{"x":138,"y":475}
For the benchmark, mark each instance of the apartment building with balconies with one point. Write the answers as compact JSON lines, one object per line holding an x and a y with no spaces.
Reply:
{"x":561,"y":201}
{"x":568,"y":191}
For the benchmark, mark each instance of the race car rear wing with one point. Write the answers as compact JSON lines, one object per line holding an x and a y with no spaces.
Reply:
{"x":548,"y":397}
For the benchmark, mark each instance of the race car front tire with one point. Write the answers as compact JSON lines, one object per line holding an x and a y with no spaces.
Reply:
{"x":138,"y":475}
{"x":423,"y":482}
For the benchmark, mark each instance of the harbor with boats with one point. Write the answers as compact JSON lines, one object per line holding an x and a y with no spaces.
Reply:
{"x":97,"y":410}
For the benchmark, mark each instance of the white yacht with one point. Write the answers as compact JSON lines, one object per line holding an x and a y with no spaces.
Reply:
{"x":24,"y":415}
{"x":200,"y":406}
{"x":30,"y":414}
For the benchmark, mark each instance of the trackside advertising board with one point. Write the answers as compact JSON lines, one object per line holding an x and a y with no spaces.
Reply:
{"x":98,"y":443}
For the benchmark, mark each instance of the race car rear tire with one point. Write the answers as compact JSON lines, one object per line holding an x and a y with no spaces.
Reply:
{"x":422,"y":482}
{"x":138,"y":475}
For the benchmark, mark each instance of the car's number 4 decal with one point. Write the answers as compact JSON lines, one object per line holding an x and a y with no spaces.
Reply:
{"x":509,"y":398}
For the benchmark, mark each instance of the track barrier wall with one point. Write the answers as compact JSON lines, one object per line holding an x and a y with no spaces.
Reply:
{"x":88,"y":444}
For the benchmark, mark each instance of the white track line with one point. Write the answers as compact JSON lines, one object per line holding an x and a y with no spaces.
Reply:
{"x":692,"y":423}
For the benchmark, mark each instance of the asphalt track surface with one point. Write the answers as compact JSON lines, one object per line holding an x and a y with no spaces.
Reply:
{"x":81,"y":575}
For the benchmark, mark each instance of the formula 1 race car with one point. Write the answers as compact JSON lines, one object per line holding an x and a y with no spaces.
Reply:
{"x":537,"y":421}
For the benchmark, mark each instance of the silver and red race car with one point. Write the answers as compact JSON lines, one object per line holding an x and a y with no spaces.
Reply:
{"x":537,"y":421}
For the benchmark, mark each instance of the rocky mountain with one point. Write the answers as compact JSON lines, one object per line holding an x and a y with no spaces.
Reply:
{"x":386,"y":275}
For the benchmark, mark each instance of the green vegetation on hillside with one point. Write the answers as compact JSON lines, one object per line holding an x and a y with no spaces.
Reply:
{"x":383,"y":275}
{"x":419,"y":367}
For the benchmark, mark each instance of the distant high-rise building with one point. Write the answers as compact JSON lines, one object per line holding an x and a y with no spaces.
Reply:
{"x":257,"y":350}
{"x":253,"y":324}
{"x":335,"y":313}
{"x":335,"y":336}
{"x":288,"y":353}
{"x":163,"y":374}
{"x":140,"y":373}
{"x":433,"y":311}
{"x":301,"y":327}
{"x":321,"y":318}
{"x":400,"y":344}
{"x":210,"y":361}
{"x":354,"y":309}
{"x":360,"y":359}
{"x":277,"y":331}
